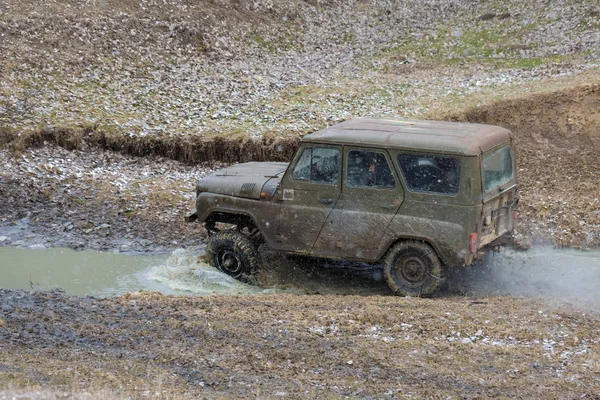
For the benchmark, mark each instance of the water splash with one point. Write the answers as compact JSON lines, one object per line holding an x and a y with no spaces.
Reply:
{"x":185,"y":272}
{"x":560,"y":274}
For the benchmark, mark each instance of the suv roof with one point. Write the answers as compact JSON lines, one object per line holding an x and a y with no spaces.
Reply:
{"x":445,"y":137}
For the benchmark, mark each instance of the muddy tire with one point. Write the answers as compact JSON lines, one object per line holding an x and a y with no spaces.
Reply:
{"x":234,"y":253}
{"x":413,"y":269}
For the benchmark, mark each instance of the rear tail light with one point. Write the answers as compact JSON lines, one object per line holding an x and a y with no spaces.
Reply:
{"x":473,"y":243}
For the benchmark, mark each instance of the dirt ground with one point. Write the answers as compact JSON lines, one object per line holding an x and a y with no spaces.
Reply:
{"x":287,"y":346}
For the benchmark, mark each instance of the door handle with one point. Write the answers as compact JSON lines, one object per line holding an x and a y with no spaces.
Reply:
{"x":326,"y":201}
{"x":390,"y":206}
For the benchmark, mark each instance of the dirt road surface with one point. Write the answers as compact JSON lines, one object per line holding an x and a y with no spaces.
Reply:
{"x":287,"y":346}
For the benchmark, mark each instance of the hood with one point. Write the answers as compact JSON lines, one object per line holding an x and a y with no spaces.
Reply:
{"x":244,"y":180}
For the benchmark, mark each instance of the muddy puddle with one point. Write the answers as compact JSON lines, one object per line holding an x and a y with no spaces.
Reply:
{"x":182,"y":272}
{"x":104,"y":274}
{"x":545,"y":272}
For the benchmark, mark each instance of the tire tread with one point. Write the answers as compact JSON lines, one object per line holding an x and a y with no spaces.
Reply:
{"x":242,"y":245}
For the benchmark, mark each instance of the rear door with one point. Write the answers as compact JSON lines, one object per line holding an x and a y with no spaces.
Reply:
{"x":310,"y":191}
{"x":499,"y":187}
{"x":371,"y":196}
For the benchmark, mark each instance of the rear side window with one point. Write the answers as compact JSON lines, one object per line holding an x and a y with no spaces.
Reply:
{"x":430,"y":174}
{"x":319,"y":165}
{"x":497,"y":168}
{"x":369,"y":169}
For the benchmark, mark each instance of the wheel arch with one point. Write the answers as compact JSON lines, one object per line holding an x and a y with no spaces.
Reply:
{"x":240,"y":219}
{"x":427,"y":241}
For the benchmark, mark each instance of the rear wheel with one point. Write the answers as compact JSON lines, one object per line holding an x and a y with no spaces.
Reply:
{"x":233,"y":253}
{"x":413,"y":269}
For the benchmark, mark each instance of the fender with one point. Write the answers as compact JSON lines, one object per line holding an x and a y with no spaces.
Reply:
{"x":263,"y":213}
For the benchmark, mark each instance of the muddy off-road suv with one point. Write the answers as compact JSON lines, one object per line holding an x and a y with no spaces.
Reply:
{"x":417,"y":197}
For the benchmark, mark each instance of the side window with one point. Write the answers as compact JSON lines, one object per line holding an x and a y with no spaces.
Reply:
{"x":432,"y":174}
{"x":318,"y":164}
{"x":369,"y":169}
{"x":325,"y":165}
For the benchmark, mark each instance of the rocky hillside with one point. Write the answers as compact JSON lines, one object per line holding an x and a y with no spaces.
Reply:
{"x":271,"y":66}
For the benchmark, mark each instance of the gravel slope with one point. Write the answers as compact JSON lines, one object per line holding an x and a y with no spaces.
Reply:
{"x":181,"y":68}
{"x":238,"y":80}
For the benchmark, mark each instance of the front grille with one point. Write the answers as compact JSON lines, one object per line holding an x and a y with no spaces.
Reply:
{"x":247,"y":188}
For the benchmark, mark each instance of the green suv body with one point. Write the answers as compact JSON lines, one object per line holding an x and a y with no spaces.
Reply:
{"x":417,"y":196}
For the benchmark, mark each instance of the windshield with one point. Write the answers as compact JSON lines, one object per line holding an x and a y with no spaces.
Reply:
{"x":497,"y":168}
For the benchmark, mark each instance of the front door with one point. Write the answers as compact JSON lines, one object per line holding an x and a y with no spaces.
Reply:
{"x":371,"y":196}
{"x":310,"y":191}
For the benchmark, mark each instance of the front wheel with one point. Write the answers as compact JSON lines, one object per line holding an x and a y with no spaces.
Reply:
{"x":233,"y":253}
{"x":413,"y":269}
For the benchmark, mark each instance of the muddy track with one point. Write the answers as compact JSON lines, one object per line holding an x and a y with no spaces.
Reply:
{"x":275,"y":346}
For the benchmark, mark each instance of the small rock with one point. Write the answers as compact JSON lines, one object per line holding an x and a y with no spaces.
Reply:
{"x":487,"y":16}
{"x":76,"y":245}
{"x":18,"y":243}
{"x":3,"y":238}
{"x":3,"y":323}
{"x":145,"y":242}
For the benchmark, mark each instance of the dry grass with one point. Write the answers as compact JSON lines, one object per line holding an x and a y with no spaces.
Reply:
{"x":449,"y":106}
{"x":191,"y":149}
{"x":40,"y":393}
